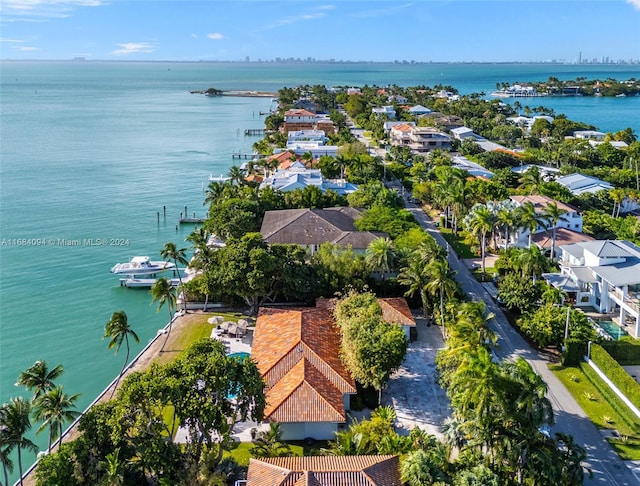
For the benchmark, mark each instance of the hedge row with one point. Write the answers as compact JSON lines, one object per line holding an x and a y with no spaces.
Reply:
{"x":624,"y":352}
{"x":616,"y":403}
{"x":616,"y":373}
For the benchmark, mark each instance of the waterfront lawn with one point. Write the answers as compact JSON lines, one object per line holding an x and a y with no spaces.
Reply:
{"x":197,"y":329}
{"x":603,"y":408}
{"x":241,"y":452}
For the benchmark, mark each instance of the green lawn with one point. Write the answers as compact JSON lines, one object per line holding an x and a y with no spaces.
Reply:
{"x":197,"y":329}
{"x":457,"y":243}
{"x":603,"y":408}
{"x":241,"y":453}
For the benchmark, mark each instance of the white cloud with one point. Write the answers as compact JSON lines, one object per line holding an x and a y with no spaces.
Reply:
{"x":295,"y":19}
{"x":133,"y":48}
{"x":40,"y":10}
{"x":215,"y":36}
{"x":635,"y":3}
{"x":24,"y":48}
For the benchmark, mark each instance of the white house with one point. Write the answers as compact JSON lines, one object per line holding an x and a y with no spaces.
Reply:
{"x":603,"y":274}
{"x":296,"y":177}
{"x":589,"y":135}
{"x":307,"y":136}
{"x":299,"y":116}
{"x":476,"y":170}
{"x":385,"y":111}
{"x":461,"y":133}
{"x":572,"y":218}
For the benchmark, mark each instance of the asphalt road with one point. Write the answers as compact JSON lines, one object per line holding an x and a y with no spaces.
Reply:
{"x":606,"y":466}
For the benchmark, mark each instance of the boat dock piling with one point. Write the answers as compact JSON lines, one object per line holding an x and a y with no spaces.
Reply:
{"x":238,"y":155}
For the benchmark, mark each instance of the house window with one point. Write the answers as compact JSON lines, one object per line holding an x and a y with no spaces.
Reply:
{"x":577,"y":226}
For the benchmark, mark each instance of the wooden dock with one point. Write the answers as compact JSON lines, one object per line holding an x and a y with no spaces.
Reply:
{"x":253,"y":132}
{"x":237,"y":155}
{"x":192,"y":220}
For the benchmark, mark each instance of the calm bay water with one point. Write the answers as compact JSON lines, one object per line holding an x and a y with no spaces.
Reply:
{"x":93,"y":151}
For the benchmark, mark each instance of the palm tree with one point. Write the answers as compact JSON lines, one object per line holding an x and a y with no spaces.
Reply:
{"x":39,"y":378}
{"x":380,"y":255}
{"x":54,"y":408}
{"x":453,"y":432}
{"x":15,"y":423}
{"x":236,"y":175}
{"x":118,"y":330}
{"x":164,"y":292}
{"x":414,"y":277}
{"x":554,"y":215}
{"x":531,"y":261}
{"x":530,"y":219}
{"x":422,"y":467}
{"x":269,"y":443}
{"x":617,"y":196}
{"x":506,"y":218}
{"x":480,"y":222}
{"x":171,"y":252}
{"x":5,"y":450}
{"x":214,"y":190}
{"x":442,"y":283}
{"x":531,"y":180}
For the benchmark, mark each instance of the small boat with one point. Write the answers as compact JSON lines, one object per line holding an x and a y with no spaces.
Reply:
{"x":141,"y":265}
{"x":219,"y":178}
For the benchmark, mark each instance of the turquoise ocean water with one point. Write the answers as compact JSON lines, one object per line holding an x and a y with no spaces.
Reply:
{"x":94,"y":150}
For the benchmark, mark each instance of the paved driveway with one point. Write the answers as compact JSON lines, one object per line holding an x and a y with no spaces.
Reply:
{"x":413,"y":391}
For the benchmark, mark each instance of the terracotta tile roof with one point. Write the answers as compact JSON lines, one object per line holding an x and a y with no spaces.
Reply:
{"x":396,"y":311}
{"x":282,"y":156}
{"x":404,"y":127}
{"x":541,"y":202}
{"x":299,"y":112}
{"x":564,"y":236}
{"x":298,"y":353}
{"x":325,"y":471}
{"x":304,"y":395}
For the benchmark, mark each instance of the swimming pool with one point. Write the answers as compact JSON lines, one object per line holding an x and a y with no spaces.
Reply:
{"x":612,"y":329}
{"x":240,"y":355}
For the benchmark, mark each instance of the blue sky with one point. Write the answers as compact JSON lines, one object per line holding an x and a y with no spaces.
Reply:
{"x":373,"y":30}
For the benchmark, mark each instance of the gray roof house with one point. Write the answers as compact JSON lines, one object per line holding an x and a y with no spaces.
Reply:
{"x":579,"y":184}
{"x":312,"y":227}
{"x":604,"y":274}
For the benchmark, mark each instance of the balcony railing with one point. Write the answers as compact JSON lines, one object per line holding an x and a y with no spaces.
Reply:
{"x":632,"y":302}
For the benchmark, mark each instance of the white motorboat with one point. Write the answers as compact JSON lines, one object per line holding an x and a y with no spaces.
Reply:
{"x":142,"y":265}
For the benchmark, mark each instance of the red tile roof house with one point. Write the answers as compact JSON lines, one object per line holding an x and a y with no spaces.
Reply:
{"x":325,"y":471}
{"x":298,"y":354}
{"x":308,"y":387}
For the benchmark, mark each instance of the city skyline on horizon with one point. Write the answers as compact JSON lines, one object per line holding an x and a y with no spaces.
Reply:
{"x":432,"y":31}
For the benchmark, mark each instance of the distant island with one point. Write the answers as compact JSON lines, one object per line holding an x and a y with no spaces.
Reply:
{"x":219,"y":92}
{"x":577,"y":87}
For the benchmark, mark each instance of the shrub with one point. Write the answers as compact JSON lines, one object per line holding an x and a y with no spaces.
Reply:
{"x":573,"y":352}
